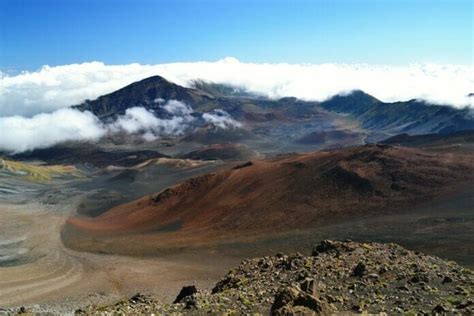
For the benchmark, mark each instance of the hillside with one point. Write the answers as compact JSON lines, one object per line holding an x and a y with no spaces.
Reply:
{"x":84,"y":153}
{"x":465,"y":137}
{"x":222,"y":152}
{"x":412,"y":117}
{"x":335,"y":137}
{"x":36,"y":173}
{"x":269,"y":196}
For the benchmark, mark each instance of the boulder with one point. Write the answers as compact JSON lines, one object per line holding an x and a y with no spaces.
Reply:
{"x":185,"y":292}
{"x":290,"y":301}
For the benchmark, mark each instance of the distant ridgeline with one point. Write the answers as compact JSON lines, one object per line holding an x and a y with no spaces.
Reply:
{"x":412,"y":117}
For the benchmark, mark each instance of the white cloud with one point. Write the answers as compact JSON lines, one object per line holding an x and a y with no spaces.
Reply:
{"x":135,"y":120}
{"x":178,"y":108}
{"x":43,"y":130}
{"x":138,"y":119}
{"x":221,"y":119}
{"x":51,"y":88}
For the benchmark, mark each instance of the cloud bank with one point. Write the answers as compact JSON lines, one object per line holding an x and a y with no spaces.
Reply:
{"x":43,"y":130}
{"x":51,"y":88}
{"x":34,"y":113}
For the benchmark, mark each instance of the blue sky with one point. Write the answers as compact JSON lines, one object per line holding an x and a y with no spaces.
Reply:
{"x":38,"y":32}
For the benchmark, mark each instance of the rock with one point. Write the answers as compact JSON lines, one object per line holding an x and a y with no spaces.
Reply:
{"x":300,"y":310}
{"x":303,"y":274}
{"x":373,"y":276}
{"x":447,"y":279}
{"x":404,"y":288}
{"x":190,"y":302}
{"x":311,"y":303}
{"x":284,"y":298}
{"x":359,"y":270}
{"x":290,"y":300}
{"x":139,"y":298}
{"x":356,"y":308}
{"x":308,"y":286}
{"x":312,"y":287}
{"x":419,"y":278}
{"x":325,"y":246}
{"x":325,"y":284}
{"x":440,"y":309}
{"x":229,"y":282}
{"x":465,"y":304}
{"x":185,"y":292}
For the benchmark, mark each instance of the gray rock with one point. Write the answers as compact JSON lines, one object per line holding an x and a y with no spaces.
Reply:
{"x":359,"y":270}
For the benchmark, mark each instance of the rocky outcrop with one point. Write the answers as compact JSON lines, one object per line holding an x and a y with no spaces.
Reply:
{"x":338,"y":277}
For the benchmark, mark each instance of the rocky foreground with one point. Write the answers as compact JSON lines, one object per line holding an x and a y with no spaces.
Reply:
{"x":338,"y":277}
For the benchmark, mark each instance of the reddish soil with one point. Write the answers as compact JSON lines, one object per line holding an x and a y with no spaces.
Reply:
{"x":259,"y":198}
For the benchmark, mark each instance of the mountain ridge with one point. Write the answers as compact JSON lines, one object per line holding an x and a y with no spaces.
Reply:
{"x":373,"y":115}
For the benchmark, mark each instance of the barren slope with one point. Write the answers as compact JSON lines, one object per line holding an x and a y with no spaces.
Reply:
{"x":264,"y":197}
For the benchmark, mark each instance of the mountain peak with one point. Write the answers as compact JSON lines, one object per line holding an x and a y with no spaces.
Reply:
{"x":142,"y":93}
{"x":146,"y":84}
{"x":153,"y":79}
{"x":360,"y":95}
{"x":355,"y":101}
